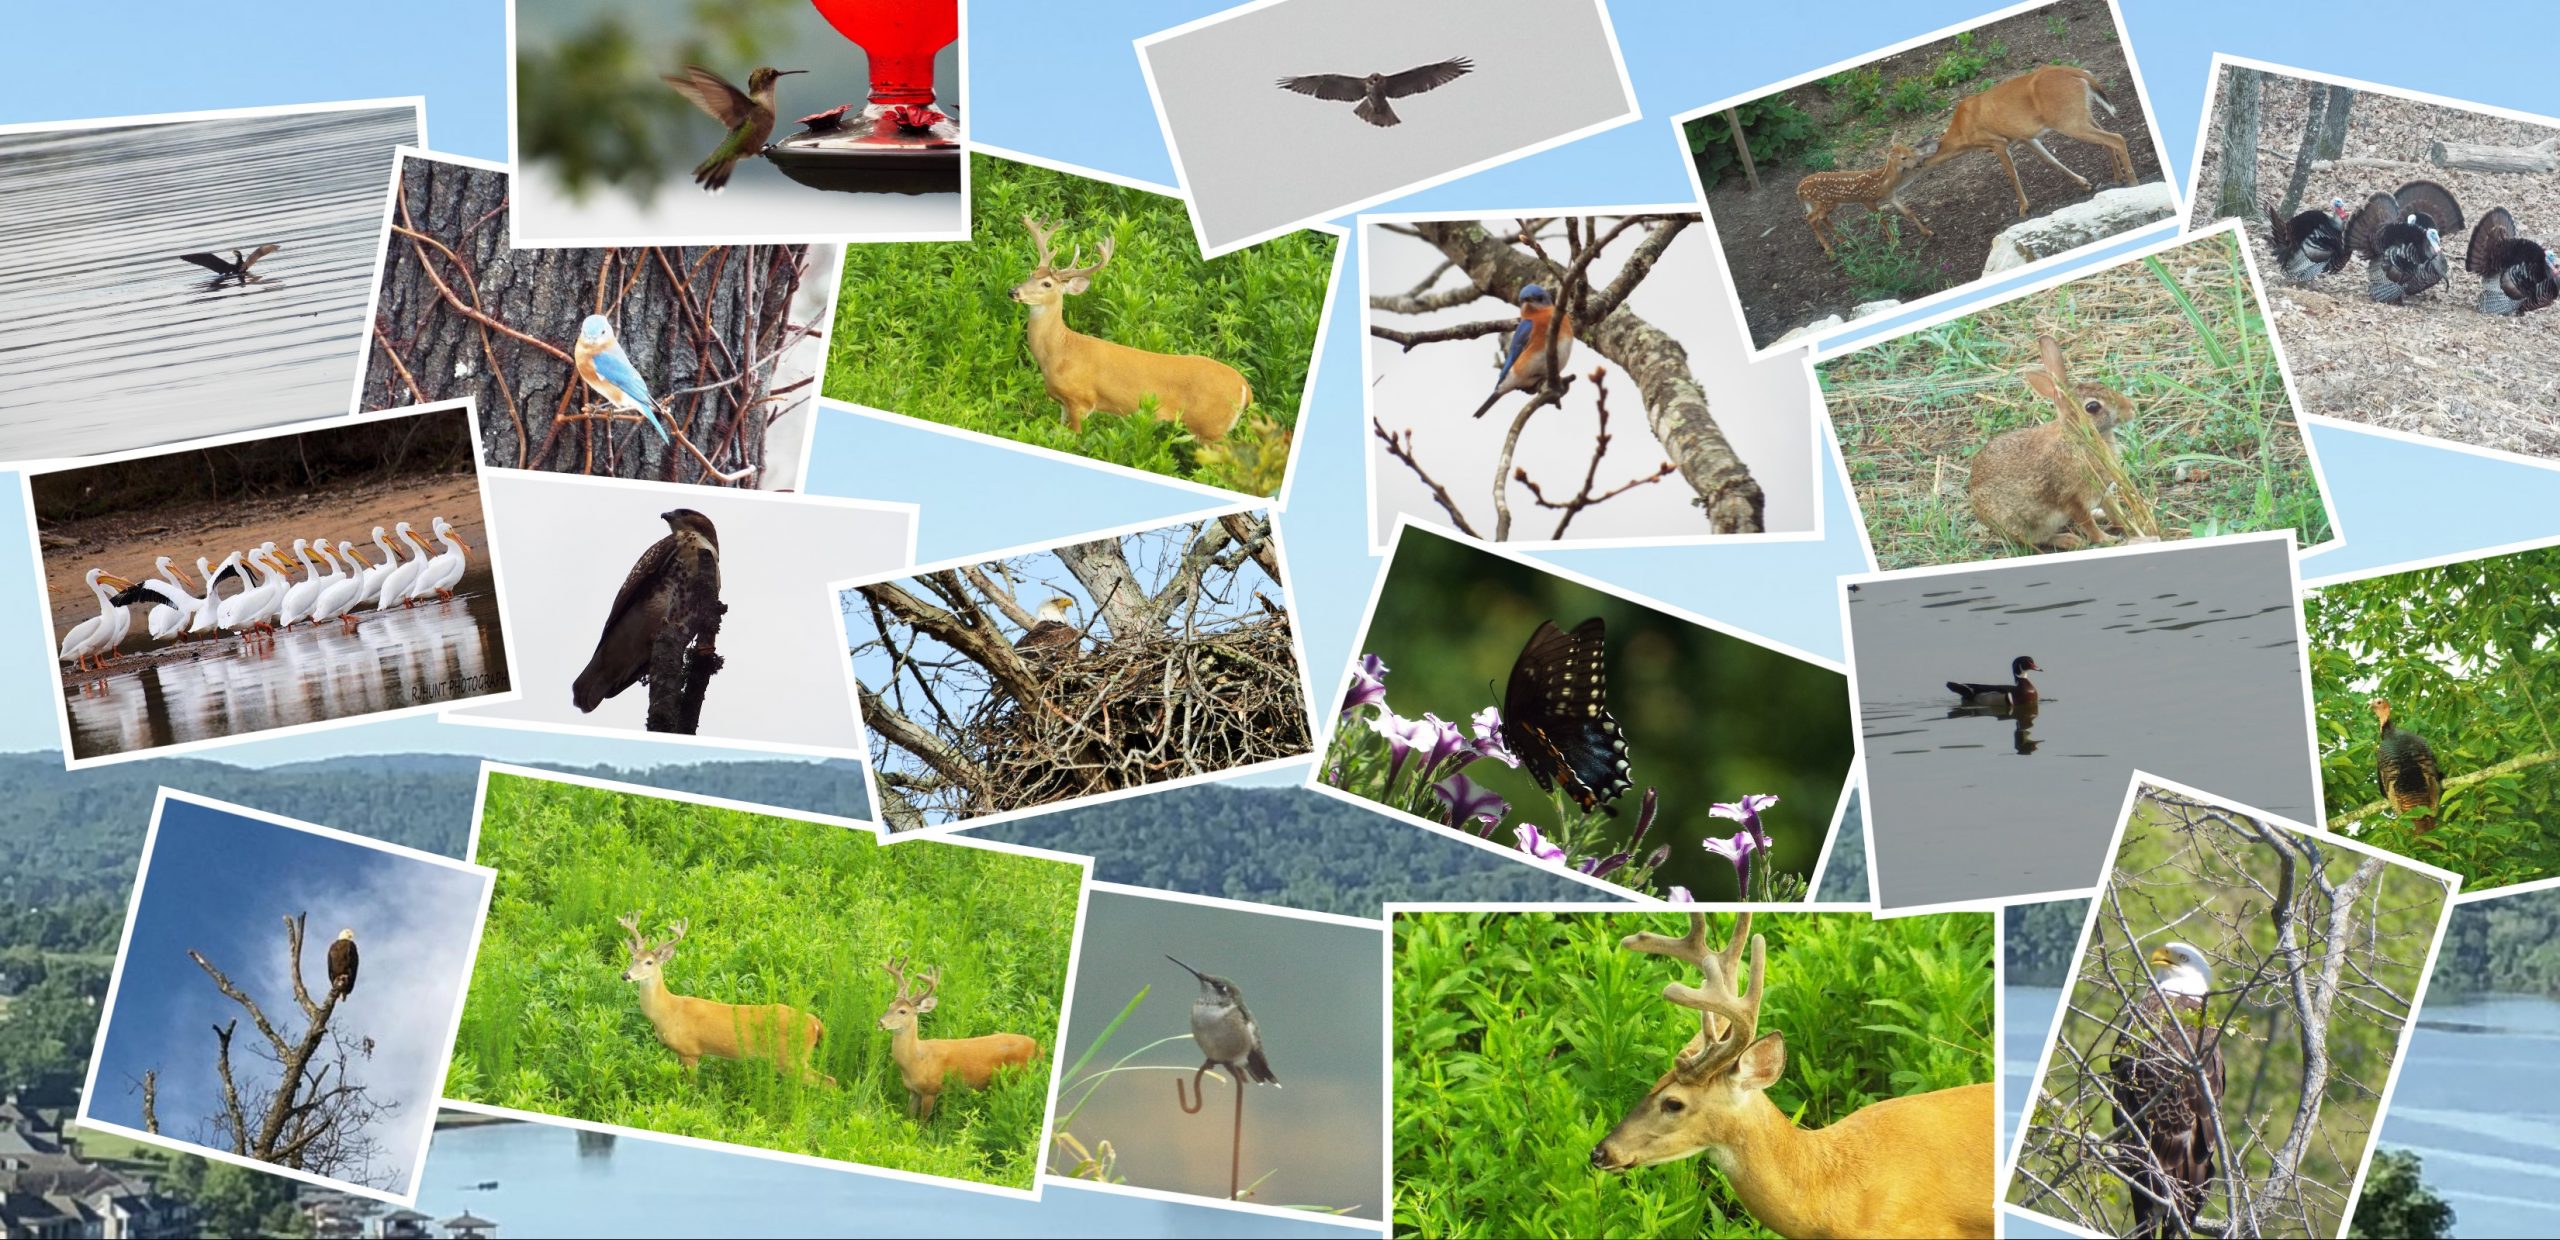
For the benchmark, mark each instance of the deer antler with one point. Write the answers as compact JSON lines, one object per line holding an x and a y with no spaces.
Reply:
{"x":675,"y":932}
{"x":897,"y":970}
{"x":631,"y":922}
{"x":1073,"y":272}
{"x":1040,"y":237}
{"x":932,"y":982}
{"x":1714,"y":998}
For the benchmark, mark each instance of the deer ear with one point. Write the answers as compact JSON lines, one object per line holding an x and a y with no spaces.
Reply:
{"x":925,"y":1004}
{"x":663,"y":953}
{"x":1078,"y":285}
{"x":1762,"y":1062}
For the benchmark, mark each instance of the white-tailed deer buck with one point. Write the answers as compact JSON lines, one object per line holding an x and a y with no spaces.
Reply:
{"x":776,"y":1033}
{"x":1085,"y":373}
{"x":1873,"y":188}
{"x":925,"y":1064}
{"x":2053,"y":99}
{"x":1913,"y":1166}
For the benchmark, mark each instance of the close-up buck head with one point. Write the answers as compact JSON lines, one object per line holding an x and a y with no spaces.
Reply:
{"x":1712,"y":1079}
{"x":908,"y":1005}
{"x":1048,"y":284}
{"x":647,"y":959}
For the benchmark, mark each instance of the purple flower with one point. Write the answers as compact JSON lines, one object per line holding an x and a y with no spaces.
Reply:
{"x":1468,"y":803}
{"x":1660,"y":856}
{"x":1601,"y":867}
{"x":1447,"y":740}
{"x":1680,"y":895}
{"x":1644,"y":819}
{"x":1747,"y":811}
{"x":1536,"y":845}
{"x":1368,"y":685}
{"x":1403,"y":737}
{"x":1487,"y":724}
{"x":1738,"y":851}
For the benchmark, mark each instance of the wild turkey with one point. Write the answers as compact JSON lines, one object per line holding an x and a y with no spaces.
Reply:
{"x":2401,"y":238}
{"x":2516,"y":275}
{"x":2405,"y":767}
{"x":2312,"y":244}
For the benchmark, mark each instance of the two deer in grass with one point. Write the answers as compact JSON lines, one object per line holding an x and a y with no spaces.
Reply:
{"x":1918,"y":1165}
{"x":1084,"y":373}
{"x":787,"y":1038}
{"x":2052,"y":99}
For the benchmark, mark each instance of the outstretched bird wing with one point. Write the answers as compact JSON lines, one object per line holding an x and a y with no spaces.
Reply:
{"x":211,"y":262}
{"x":621,"y":651}
{"x":713,"y":94}
{"x":1426,"y":77}
{"x":259,"y":253}
{"x":1327,"y":85}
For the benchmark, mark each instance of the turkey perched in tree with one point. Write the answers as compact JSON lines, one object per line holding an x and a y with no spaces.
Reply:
{"x":2516,"y":275}
{"x":2406,"y":768}
{"x":2312,"y":244}
{"x":2401,"y":237}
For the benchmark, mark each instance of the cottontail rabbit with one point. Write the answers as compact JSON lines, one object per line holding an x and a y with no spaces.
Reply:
{"x":2036,"y":484}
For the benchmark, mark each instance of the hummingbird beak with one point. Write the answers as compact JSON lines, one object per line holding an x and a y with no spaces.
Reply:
{"x":787,"y":72}
{"x":1186,"y":968}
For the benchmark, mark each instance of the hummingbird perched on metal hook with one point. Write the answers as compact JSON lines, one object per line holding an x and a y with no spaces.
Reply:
{"x":748,"y":114}
{"x":1226,"y":1032}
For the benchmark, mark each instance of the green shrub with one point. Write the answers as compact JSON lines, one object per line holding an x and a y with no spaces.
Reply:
{"x":1775,"y":129}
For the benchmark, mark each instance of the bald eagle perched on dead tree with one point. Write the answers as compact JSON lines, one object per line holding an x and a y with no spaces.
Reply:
{"x":2163,"y":1115}
{"x":342,"y":965}
{"x":1050,"y":633}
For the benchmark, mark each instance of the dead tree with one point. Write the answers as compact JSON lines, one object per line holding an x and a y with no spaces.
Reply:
{"x":460,"y":313}
{"x":313,"y":1114}
{"x":1183,"y":668}
{"x":2239,"y":192}
{"x":1674,"y":406}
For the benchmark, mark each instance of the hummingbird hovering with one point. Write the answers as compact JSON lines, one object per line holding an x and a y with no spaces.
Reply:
{"x":1226,"y":1032}
{"x":748,"y":114}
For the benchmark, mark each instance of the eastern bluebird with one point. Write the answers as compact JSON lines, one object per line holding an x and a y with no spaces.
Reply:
{"x":605,"y":369}
{"x":1524,"y":364}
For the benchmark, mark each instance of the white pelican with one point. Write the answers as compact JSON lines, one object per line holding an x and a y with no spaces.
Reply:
{"x":390,"y":564}
{"x":338,"y":597}
{"x":202,"y":620}
{"x":91,"y":638}
{"x":329,"y":581}
{"x":368,"y":574}
{"x":297,"y":598}
{"x":178,"y":602}
{"x":255,"y":607}
{"x":444,"y":571}
{"x":396,"y":583}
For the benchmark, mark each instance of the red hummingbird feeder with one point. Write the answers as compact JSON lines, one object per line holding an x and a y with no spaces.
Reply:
{"x":900,"y":141}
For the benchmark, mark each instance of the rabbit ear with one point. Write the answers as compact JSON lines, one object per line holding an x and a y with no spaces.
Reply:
{"x":2050,"y":350}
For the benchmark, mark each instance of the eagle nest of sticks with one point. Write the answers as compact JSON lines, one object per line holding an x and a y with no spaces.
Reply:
{"x":1127,"y":713}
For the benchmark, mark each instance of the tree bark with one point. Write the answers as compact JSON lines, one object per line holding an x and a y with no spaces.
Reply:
{"x":2317,"y":101}
{"x":2239,"y":190}
{"x":1674,"y":405}
{"x":1742,"y":147}
{"x":685,"y":317}
{"x":2333,"y":122}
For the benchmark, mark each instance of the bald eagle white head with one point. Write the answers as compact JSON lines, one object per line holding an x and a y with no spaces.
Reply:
{"x":1050,"y":629}
{"x":342,"y":964}
{"x":2164,"y":1112}
{"x":2181,"y":970}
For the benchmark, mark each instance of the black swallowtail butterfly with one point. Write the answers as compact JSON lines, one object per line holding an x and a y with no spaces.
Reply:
{"x":1555,"y":714}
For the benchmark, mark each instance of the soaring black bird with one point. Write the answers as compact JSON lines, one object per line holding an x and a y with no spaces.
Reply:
{"x":235,"y":267}
{"x":2401,"y":237}
{"x":646,"y":605}
{"x":2404,"y":765}
{"x":2166,"y":1117}
{"x":2516,"y":275}
{"x":1374,"y":90}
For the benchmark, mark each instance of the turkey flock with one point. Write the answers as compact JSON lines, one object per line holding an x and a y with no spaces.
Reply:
{"x":269,"y":598}
{"x":2401,"y":235}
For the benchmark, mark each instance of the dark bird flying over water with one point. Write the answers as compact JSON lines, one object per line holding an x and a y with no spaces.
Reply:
{"x":1374,"y":90}
{"x":235,"y":267}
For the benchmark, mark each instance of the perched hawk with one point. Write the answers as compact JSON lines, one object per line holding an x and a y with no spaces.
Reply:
{"x":2165,"y":1117}
{"x":1376,"y":89}
{"x":645,"y":605}
{"x":1050,"y":631}
{"x":342,"y":965}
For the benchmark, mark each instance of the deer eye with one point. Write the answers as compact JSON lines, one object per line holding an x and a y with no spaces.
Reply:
{"x":1674,"y":1106}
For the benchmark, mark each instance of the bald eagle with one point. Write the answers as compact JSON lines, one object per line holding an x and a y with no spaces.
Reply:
{"x":644,"y":605}
{"x":2166,"y":1119}
{"x":342,"y":965}
{"x":1051,"y":632}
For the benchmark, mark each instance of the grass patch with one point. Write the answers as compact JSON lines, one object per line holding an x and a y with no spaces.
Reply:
{"x":782,"y":912}
{"x":2212,"y":443}
{"x":930,"y":330}
{"x":1522,"y":1037}
{"x":1869,"y":251}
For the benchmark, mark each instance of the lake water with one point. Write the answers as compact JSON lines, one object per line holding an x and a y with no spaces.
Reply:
{"x":436,"y":652}
{"x":108,"y":341}
{"x":2479,"y":1102}
{"x":556,"y":1182}
{"x":2184,"y":663}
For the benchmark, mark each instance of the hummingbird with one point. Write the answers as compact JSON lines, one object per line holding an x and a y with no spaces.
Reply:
{"x":1226,"y":1032}
{"x":748,"y":114}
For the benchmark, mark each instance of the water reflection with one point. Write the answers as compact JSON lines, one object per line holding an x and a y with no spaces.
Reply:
{"x":113,"y":342}
{"x":434,"y":653}
{"x":2185,"y":663}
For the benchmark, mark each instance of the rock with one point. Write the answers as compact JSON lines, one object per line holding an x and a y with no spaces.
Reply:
{"x":1827,"y":322}
{"x":2114,"y":211}
{"x":1865,"y":308}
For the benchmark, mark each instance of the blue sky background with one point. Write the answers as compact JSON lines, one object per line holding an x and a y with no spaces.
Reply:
{"x":1062,"y":81}
{"x":222,"y":883}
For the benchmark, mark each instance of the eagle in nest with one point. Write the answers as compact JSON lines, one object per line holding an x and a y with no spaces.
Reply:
{"x":2165,"y":1117}
{"x":342,"y":965}
{"x":1050,"y":632}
